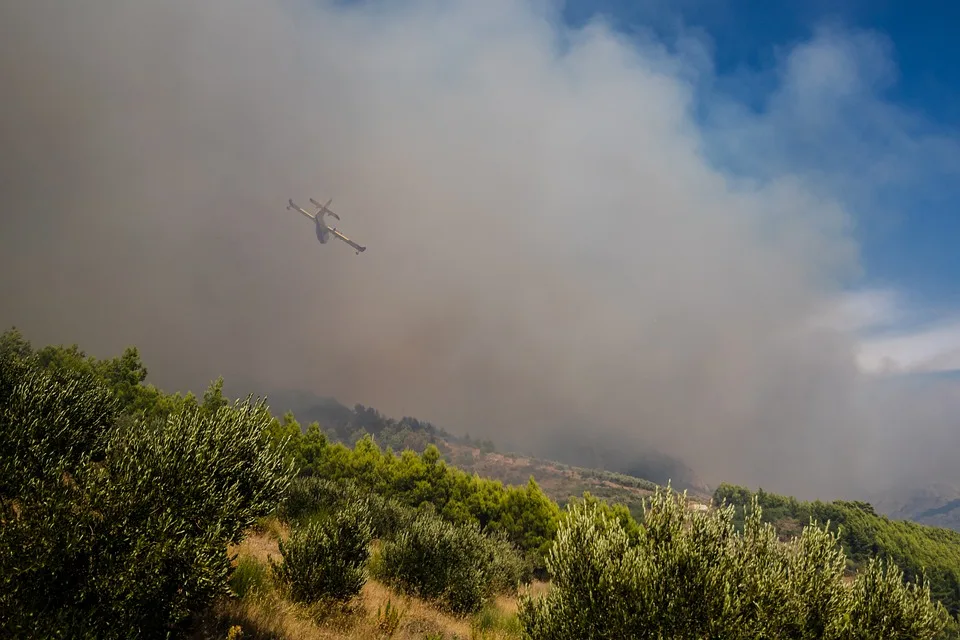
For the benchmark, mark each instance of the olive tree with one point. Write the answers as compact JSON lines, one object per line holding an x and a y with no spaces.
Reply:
{"x":113,"y":525}
{"x":325,"y":557}
{"x":692,"y":575}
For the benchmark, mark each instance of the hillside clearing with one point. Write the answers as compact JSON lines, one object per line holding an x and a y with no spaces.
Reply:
{"x":264,"y":614}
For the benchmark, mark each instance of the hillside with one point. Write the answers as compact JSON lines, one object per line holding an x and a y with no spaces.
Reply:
{"x":567,"y":447}
{"x":558,"y":480}
{"x":865,"y":533}
{"x":112,"y":491}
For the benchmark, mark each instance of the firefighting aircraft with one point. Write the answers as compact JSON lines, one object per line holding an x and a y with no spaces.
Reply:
{"x":323,"y":230}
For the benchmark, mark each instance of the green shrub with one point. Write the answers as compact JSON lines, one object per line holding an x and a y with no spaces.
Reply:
{"x":883,"y":607}
{"x":388,"y":618}
{"x":312,"y":496}
{"x":48,"y":425}
{"x":248,"y":576}
{"x":326,"y":557}
{"x":525,"y":514}
{"x":389,"y":516}
{"x":916,"y":549}
{"x":111,"y":524}
{"x":455,"y":565}
{"x":438,"y":561}
{"x":508,"y":568}
{"x":692,"y":575}
{"x":491,"y":620}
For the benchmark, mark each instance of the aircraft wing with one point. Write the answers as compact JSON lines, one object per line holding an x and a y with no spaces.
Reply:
{"x":295,"y":206}
{"x":348,"y":240}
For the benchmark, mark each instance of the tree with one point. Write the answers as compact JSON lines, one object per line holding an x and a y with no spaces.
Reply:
{"x":112,"y":523}
{"x":326,"y":558}
{"x":213,"y":398}
{"x":13,"y":344}
{"x":692,"y":575}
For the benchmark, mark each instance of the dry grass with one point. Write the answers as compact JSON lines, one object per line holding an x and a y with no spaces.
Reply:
{"x":508,"y":604}
{"x":259,"y":546}
{"x":268,"y":616}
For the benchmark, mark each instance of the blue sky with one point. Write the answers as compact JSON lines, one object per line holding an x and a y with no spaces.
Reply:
{"x":748,"y":33}
{"x":904,"y":109}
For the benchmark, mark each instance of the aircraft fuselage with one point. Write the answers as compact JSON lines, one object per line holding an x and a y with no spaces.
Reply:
{"x":323,"y":233}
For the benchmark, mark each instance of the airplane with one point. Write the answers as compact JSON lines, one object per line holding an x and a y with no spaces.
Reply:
{"x":324,"y":230}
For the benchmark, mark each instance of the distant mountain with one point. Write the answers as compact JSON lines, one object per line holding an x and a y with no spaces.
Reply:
{"x":935,"y":504}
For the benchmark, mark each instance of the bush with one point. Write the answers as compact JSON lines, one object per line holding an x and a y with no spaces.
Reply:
{"x":110,"y":524}
{"x":883,"y":607}
{"x":249,"y":576}
{"x":48,"y":425}
{"x":491,"y":621}
{"x":508,"y":567}
{"x":314,"y":496}
{"x":691,"y":575}
{"x":389,"y":516}
{"x":455,"y":565}
{"x":326,"y":557}
{"x":526,"y":515}
{"x":916,"y":549}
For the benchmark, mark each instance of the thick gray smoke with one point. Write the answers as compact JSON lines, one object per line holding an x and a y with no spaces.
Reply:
{"x":547,"y":243}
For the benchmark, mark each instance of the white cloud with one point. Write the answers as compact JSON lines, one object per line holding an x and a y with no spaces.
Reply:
{"x":893,"y":336}
{"x":930,"y":350}
{"x":861,"y":310}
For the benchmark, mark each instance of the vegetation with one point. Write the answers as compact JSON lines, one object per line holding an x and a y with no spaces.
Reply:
{"x":691,"y":575}
{"x":113,"y":518}
{"x":121,"y":509}
{"x":455,"y":565}
{"x":249,"y":576}
{"x":525,"y":516}
{"x":313,"y":497}
{"x":327,"y":557}
{"x":343,"y":424}
{"x":918,"y":550}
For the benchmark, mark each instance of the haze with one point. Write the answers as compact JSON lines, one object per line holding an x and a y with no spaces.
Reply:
{"x":549,"y":247}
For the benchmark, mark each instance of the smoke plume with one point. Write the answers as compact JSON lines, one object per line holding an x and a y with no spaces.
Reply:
{"x":551,"y":248}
